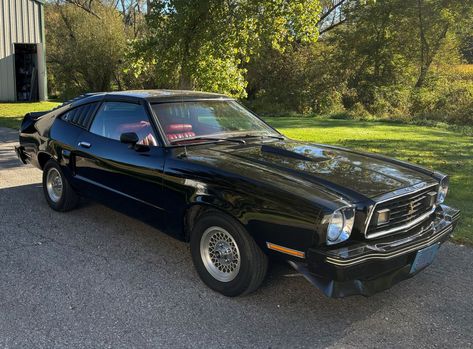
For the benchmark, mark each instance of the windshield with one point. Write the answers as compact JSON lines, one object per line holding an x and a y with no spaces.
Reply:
{"x":208,"y":119}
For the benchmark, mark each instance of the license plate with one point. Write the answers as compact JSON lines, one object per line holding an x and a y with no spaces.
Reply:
{"x":424,"y":257}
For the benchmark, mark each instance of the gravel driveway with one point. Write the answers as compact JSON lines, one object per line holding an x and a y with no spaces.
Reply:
{"x":96,"y":278}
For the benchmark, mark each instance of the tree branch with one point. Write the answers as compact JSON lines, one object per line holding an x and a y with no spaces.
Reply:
{"x":330,"y":10}
{"x":83,"y":6}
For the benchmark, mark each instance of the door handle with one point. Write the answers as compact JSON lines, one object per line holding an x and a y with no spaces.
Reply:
{"x":84,"y":144}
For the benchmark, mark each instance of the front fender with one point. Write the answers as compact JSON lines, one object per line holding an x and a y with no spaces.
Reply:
{"x":269,"y":212}
{"x":267,"y":219}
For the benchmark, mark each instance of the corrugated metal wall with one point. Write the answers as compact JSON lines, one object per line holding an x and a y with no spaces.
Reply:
{"x":20,"y":22}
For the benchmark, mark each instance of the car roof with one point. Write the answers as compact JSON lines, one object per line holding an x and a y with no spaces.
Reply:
{"x":152,"y":96}
{"x":155,"y":96}
{"x":167,"y":94}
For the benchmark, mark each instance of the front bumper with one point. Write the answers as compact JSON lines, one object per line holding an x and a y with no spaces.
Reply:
{"x":372,"y":266}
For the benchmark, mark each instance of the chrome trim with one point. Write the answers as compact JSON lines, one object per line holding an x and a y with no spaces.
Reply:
{"x":329,"y":217}
{"x":84,"y":144}
{"x":449,"y":214}
{"x":117,"y":192}
{"x":402,"y":227}
{"x":384,"y":256}
{"x":370,"y":216}
{"x":445,"y":177}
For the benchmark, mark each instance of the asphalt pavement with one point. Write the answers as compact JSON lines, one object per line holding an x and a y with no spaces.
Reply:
{"x":95,"y":278}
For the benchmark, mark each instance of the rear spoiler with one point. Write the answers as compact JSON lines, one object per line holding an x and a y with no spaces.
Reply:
{"x":30,"y":119}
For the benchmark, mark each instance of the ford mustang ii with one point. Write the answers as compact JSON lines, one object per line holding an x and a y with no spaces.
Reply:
{"x":205,"y":169}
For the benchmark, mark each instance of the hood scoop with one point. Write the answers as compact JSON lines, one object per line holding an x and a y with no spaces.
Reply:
{"x":283,"y":152}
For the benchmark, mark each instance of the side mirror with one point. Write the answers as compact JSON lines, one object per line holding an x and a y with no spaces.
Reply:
{"x":130,"y":138}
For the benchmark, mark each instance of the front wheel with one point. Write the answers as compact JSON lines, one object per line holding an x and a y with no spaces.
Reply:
{"x":57,"y":190}
{"x":225,"y":256}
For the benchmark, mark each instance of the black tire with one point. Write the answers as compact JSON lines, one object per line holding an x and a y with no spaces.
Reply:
{"x":68,"y":199}
{"x":253,"y":262}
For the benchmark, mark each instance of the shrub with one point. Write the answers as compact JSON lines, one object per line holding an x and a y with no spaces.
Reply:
{"x":448,"y":101}
{"x":391,"y":102}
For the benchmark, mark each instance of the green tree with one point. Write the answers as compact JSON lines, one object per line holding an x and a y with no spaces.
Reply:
{"x":436,"y":18}
{"x":207,"y":44}
{"x":369,"y":60}
{"x":85,"y":52}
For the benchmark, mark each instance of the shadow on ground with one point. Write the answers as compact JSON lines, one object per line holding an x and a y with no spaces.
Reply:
{"x":9,"y":138}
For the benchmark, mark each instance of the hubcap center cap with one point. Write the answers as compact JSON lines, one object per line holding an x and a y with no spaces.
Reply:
{"x":223,"y":253}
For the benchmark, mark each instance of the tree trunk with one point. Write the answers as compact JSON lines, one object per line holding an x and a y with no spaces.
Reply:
{"x":185,"y":82}
{"x":422,"y":75}
{"x":424,"y":48}
{"x":191,"y":43}
{"x":428,"y":58}
{"x":427,"y":52}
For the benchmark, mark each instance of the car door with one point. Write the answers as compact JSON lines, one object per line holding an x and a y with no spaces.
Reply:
{"x":122,"y":176}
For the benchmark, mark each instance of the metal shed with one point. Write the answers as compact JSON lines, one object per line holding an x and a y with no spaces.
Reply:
{"x":22,"y":59}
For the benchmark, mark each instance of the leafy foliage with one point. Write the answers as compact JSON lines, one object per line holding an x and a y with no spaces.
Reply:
{"x":389,"y":59}
{"x":392,"y":59}
{"x":206,"y":44}
{"x":84,"y":52}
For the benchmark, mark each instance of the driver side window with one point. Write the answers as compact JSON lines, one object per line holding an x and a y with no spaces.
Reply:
{"x":115,"y":118}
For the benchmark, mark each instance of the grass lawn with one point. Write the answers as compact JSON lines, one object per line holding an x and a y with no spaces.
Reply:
{"x":431,"y":147}
{"x":11,"y":114}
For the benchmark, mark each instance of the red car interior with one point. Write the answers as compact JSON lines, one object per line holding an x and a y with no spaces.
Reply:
{"x":140,"y":128}
{"x":173,"y":131}
{"x":179,"y":131}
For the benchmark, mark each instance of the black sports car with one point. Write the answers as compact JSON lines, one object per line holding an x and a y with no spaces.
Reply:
{"x":203,"y":168}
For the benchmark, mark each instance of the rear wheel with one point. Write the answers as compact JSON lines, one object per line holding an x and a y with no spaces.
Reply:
{"x":58,"y":193}
{"x":225,"y":256}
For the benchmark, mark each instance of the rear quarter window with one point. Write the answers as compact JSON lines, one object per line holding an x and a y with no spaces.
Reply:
{"x":81,"y":116}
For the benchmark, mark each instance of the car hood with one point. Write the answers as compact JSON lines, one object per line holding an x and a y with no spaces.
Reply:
{"x":342,"y":171}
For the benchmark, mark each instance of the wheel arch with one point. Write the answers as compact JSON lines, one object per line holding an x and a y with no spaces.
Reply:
{"x":197,"y":209}
{"x":292,"y":227}
{"x":43,"y":158}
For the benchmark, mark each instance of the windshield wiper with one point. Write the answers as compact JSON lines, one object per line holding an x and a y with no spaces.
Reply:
{"x":215,"y":139}
{"x":260,"y":136}
{"x":281,"y":138}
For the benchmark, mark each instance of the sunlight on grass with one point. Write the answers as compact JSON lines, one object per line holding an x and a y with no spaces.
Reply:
{"x":11,"y":114}
{"x":431,"y":147}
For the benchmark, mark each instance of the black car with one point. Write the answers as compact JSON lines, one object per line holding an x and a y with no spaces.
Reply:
{"x":202,"y":167}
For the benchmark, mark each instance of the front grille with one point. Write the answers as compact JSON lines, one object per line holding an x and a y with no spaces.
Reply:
{"x":404,"y":210}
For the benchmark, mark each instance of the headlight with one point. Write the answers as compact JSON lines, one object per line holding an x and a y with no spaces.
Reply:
{"x":443,"y":190}
{"x":340,"y":225}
